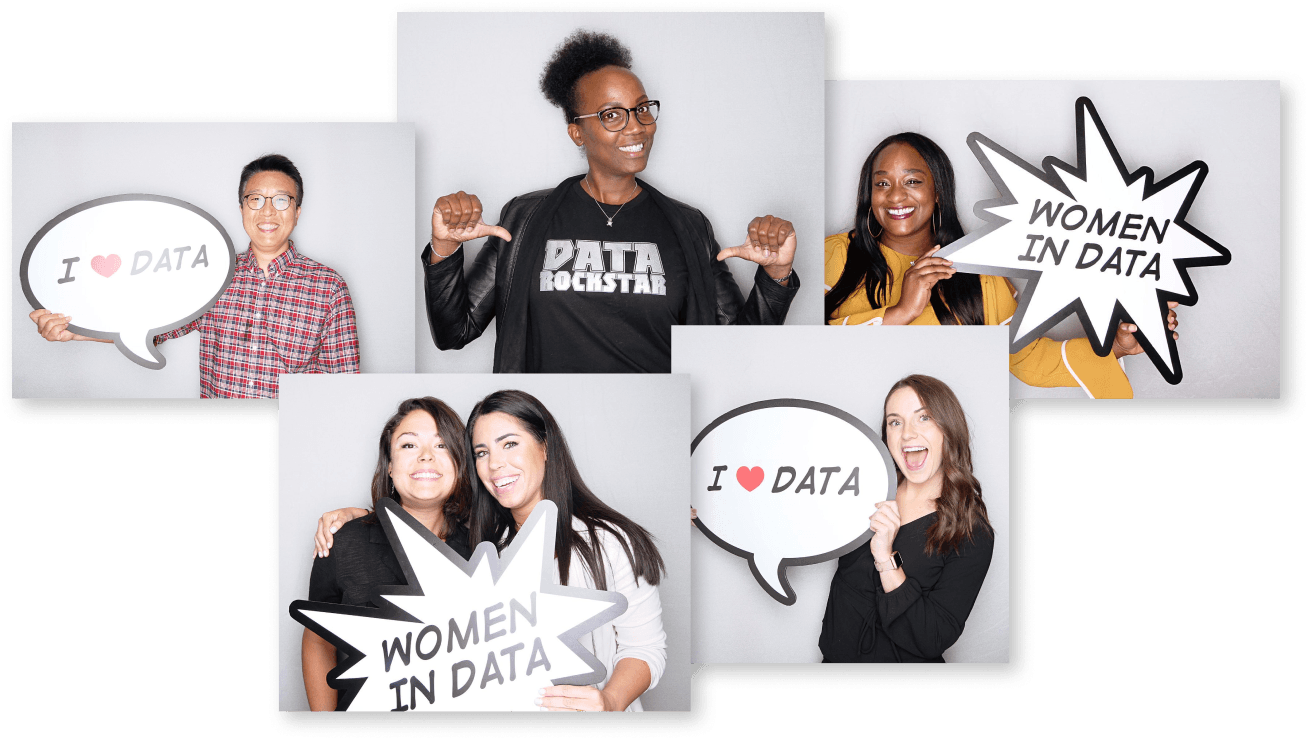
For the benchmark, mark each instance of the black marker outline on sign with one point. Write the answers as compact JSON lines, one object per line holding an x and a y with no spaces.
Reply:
{"x":788,"y":598}
{"x":1102,"y":346}
{"x":545,"y":514}
{"x":115,"y":336}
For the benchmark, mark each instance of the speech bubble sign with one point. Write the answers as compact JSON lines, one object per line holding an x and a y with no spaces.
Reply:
{"x":788,"y":482}
{"x":128,"y":267}
{"x":1091,"y":239}
{"x":464,"y":635}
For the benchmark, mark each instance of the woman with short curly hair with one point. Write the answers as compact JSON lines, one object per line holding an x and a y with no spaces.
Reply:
{"x":592,"y":275}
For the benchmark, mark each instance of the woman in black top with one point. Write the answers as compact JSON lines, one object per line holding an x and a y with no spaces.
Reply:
{"x":592,"y":275}
{"x":906,"y":597}
{"x":422,"y":464}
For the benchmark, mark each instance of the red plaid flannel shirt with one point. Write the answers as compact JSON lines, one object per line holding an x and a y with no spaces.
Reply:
{"x":297,"y":319}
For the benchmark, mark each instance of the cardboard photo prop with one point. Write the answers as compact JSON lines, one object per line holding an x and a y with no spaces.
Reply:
{"x":788,"y":482}
{"x":482,"y":634}
{"x":128,"y":267}
{"x":1094,"y":239}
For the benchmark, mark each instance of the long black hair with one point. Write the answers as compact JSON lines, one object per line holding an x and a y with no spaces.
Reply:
{"x":563,"y":485}
{"x":455,"y":438}
{"x":956,"y":300}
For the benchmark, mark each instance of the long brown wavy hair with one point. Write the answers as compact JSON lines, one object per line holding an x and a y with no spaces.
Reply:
{"x":450,"y":427}
{"x":960,"y":512}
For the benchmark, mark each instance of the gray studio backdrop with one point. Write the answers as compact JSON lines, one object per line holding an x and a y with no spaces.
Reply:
{"x":358,"y":207}
{"x":1231,"y":339}
{"x":628,"y":435}
{"x":739,"y":136}
{"x":735,"y":620}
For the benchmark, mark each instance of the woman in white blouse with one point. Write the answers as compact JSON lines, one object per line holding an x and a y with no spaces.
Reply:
{"x":522,"y":459}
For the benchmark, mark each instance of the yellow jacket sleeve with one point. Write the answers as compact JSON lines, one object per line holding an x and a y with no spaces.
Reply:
{"x":871,"y":316}
{"x":1048,"y":363}
{"x":836,"y":248}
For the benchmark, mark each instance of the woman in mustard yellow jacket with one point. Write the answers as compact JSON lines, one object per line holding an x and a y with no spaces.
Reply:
{"x":882,"y":271}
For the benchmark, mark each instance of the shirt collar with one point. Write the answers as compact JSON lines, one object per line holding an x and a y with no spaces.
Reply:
{"x":246,"y":260}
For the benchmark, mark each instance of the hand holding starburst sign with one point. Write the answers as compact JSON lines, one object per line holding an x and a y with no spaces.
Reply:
{"x":483,"y":634}
{"x":1093,"y":239}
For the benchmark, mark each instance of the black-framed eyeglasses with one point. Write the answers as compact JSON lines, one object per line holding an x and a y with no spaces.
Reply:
{"x":615,"y":119}
{"x":255,"y":202}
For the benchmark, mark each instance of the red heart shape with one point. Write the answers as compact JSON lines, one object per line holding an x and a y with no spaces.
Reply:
{"x":749,"y":477}
{"x":106,"y":265}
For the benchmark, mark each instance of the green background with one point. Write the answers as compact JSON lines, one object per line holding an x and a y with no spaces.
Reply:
{"x":1168,"y":585}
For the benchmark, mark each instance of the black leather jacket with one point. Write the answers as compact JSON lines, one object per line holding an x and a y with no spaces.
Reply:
{"x":459,"y":307}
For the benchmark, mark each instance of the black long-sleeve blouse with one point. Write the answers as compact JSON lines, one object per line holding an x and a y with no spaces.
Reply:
{"x":916,"y":622}
{"x":362,"y":560}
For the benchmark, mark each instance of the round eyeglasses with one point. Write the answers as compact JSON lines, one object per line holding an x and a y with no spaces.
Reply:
{"x":255,"y":201}
{"x":615,"y":119}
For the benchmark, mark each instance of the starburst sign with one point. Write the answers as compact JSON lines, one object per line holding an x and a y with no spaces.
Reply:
{"x":1093,"y":239}
{"x":482,"y":634}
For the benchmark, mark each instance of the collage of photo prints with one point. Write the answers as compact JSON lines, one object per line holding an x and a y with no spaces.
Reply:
{"x":906,"y":327}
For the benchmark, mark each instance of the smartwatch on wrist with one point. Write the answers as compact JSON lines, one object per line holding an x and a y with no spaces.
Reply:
{"x":894,"y":562}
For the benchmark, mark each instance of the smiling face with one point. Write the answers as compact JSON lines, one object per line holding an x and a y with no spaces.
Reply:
{"x":268,"y":228}
{"x":916,"y":441}
{"x":421,"y":467}
{"x":510,"y":462}
{"x":612,"y":153}
{"x":903,"y":197}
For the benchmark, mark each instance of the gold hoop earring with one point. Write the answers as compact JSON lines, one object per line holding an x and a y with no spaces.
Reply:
{"x":868,"y":220}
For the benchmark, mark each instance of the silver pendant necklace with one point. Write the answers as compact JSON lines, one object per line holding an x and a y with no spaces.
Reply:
{"x":597,"y":203}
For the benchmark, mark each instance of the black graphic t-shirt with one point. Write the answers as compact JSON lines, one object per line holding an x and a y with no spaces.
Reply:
{"x":604,"y":298}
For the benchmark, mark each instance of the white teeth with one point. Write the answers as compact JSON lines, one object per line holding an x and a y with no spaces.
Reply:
{"x":914,"y":449}
{"x":900,"y":211}
{"x":632,"y":148}
{"x":505,"y":482}
{"x":425,"y":476}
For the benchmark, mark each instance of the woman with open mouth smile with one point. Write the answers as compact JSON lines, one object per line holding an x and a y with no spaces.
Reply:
{"x":882,"y":271}
{"x":906,"y":596}
{"x":592,"y":275}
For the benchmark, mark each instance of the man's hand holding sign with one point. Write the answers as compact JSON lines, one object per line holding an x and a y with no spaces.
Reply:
{"x":98,"y":272}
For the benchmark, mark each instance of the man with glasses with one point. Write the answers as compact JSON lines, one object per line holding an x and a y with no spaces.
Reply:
{"x":282,"y":313}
